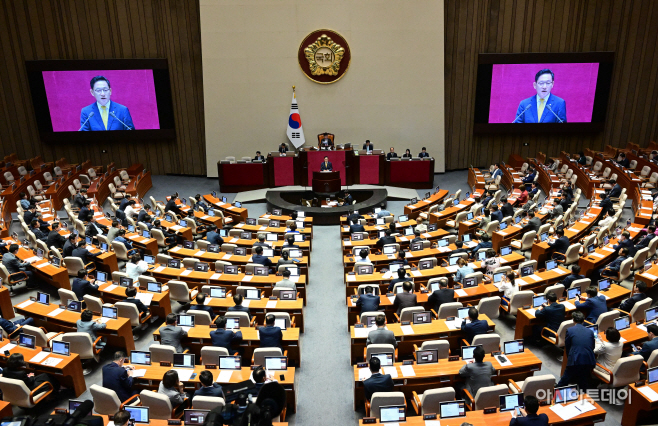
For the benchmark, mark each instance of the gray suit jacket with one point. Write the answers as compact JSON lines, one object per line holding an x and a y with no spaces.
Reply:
{"x":13,"y":263}
{"x":404,"y":300}
{"x":285,"y":283}
{"x":478,"y":375}
{"x":171,"y":335}
{"x":89,"y":327}
{"x":112,"y":234}
{"x":382,"y":335}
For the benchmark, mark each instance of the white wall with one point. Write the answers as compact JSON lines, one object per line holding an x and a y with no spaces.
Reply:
{"x":392,"y":94}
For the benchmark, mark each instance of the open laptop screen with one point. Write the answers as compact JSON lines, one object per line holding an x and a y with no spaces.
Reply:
{"x":510,"y":402}
{"x":392,"y":413}
{"x":513,"y":347}
{"x":448,"y":410}
{"x":427,"y":357}
{"x":195,"y":417}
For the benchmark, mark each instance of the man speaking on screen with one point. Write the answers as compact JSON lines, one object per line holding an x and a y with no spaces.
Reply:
{"x":104,"y":114}
{"x":544,"y":107}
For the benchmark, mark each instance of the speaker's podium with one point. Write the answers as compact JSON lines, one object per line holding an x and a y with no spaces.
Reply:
{"x":326,"y":182}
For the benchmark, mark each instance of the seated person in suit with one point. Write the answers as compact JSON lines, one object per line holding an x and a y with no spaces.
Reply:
{"x":368,"y":301}
{"x":354,"y":216}
{"x":441,"y":296}
{"x":173,"y":388}
{"x":401,"y":259}
{"x":625,"y":241}
{"x":9,"y":326}
{"x":551,"y":312}
{"x":623,"y":161}
{"x":368,"y":146}
{"x":475,"y":326}
{"x":83,"y":253}
{"x":485,"y":242}
{"x":121,"y":238}
{"x":18,"y":369}
{"x":417,"y":238}
{"x":208,"y":386}
{"x":284,"y":260}
{"x":615,"y":192}
{"x":420,"y":225}
{"x":55,"y":238}
{"x":326,"y":141}
{"x":259,"y":157}
{"x":223,"y":338}
{"x":348,"y":200}
{"x":612,"y":270}
{"x":286,"y":283}
{"x":131,"y":292}
{"x":423,"y":153}
{"x":84,"y":284}
{"x":534,"y":189}
{"x":171,"y":334}
{"x":260,"y":259}
{"x":386,"y":239}
{"x":496,"y":214}
{"x":237,"y":299}
{"x":560,"y":245}
{"x":506,"y":209}
{"x":407,"y":153}
{"x":531,"y":418}
{"x":326,"y":165}
{"x":270,"y":335}
{"x":85,"y":212}
{"x":645,"y":237}
{"x":144,"y":213}
{"x":124,"y":201}
{"x":477,"y":374}
{"x":356,"y":227}
{"x":391,"y":154}
{"x":283,"y":148}
{"x":509,"y":287}
{"x":639,"y":293}
{"x":594,"y":304}
{"x":39,"y":234}
{"x":573,"y":276}
{"x":651,"y":345}
{"x":171,"y":206}
{"x":261,"y":241}
{"x":290,"y":242}
{"x":363,"y":256}
{"x":86,"y":324}
{"x":118,"y":378}
{"x":402,"y":276}
{"x":530,"y":177}
{"x":94,"y":228}
{"x":381,"y":335}
{"x":213,"y":237}
{"x":523,"y":198}
{"x":406,"y":299}
{"x":200,"y":305}
{"x":377,"y":382}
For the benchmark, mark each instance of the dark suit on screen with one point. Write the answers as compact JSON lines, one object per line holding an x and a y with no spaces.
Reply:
{"x":96,"y":122}
{"x":558,"y":105}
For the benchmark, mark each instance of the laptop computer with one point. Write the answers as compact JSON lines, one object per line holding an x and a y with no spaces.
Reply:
{"x":139,"y":414}
{"x":572,"y":293}
{"x":651,"y":314}
{"x":230,"y":362}
{"x":537,"y":301}
{"x":403,"y":218}
{"x":73,"y":406}
{"x":154,"y":287}
{"x":512,"y":347}
{"x":470,"y":282}
{"x":392,"y":414}
{"x":551,"y":264}
{"x":504,"y":251}
{"x":482,"y":255}
{"x":604,"y":284}
{"x":622,"y":323}
{"x":566,"y":394}
{"x":27,"y":341}
{"x":422,"y":318}
{"x":498,"y":277}
{"x":195,"y":417}
{"x":185,"y":320}
{"x":467,"y":352}
{"x":280,"y":322}
{"x":452,"y":409}
{"x":184,"y":360}
{"x":218,"y":292}
{"x":594,"y":328}
{"x":140,"y":357}
{"x":43,"y":298}
{"x":74,"y":306}
{"x":389,"y":249}
{"x":232,"y":323}
{"x":125,"y":281}
{"x":427,"y":356}
{"x":252,"y":294}
{"x":652,"y":375}
{"x":511,"y":401}
{"x":527,"y":270}
{"x":462,"y":313}
{"x":109,"y":312}
{"x":386,"y":359}
{"x":61,"y":348}
{"x":276,"y":363}
{"x":287,"y":295}
{"x":149,"y":259}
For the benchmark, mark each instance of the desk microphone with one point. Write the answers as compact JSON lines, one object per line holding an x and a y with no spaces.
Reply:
{"x":551,"y":110}
{"x":91,"y":114}
{"x":127,"y":126}
{"x":522,"y":112}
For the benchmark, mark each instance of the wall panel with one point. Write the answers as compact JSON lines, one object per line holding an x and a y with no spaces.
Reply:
{"x":104,"y":29}
{"x":556,"y":26}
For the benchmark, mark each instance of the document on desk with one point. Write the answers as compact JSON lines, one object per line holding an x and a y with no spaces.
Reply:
{"x":262,"y":228}
{"x":452,"y":268}
{"x":651,"y":277}
{"x":226,"y":256}
{"x":139,"y":373}
{"x":176,"y":227}
{"x":387,"y":275}
{"x":271,"y":304}
{"x":43,"y":265}
{"x":568,"y":305}
{"x":200,"y":253}
{"x":234,"y":240}
{"x":531,"y":312}
{"x":132,"y":237}
{"x":416,"y":273}
{"x":25,"y":304}
{"x":51,"y":362}
{"x":184,"y":375}
{"x":32,"y":259}
{"x":407,"y":330}
{"x":599,"y":255}
{"x":392,"y":371}
{"x":239,"y":225}
{"x":427,"y":235}
{"x":649,"y":393}
{"x":205,"y":217}
{"x":407,"y":371}
{"x":535,"y":277}
{"x":216,"y":276}
{"x":39,"y":357}
{"x":361,"y":333}
{"x":347,"y":243}
{"x":186,"y":273}
{"x":175,"y":249}
{"x":110,"y":287}
{"x":146,"y":298}
{"x":391,"y":299}
{"x":427,"y":423}
{"x":295,"y":279}
{"x":159,"y":269}
{"x":246,"y":302}
{"x":608,"y":249}
{"x":247,"y":278}
{"x":454,"y":325}
{"x":224,"y":376}
{"x":7,"y":347}
{"x":461,"y":293}
{"x":364,"y":374}
{"x":404,"y":239}
{"x":103,"y":320}
{"x":351,"y":278}
{"x":56,"y":312}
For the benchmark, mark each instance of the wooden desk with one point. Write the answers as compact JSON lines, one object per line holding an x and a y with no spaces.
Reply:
{"x":258,"y":229}
{"x":650,"y":277}
{"x":58,"y":192}
{"x":422,"y":332}
{"x":511,"y":179}
{"x":640,"y":407}
{"x":249,"y":243}
{"x":525,"y":320}
{"x":547,"y":180}
{"x":211,"y":258}
{"x":68,"y":371}
{"x":5,"y":409}
{"x":413,"y":210}
{"x":604,"y":255}
{"x":57,"y":277}
{"x":155,"y":373}
{"x":100,"y":187}
{"x":160,"y":304}
{"x":450,"y":212}
{"x":139,"y":184}
{"x":6,"y":308}
{"x":236,"y":214}
{"x":11,"y":193}
{"x":118,"y":332}
{"x":513,"y":232}
{"x":373,"y":229}
{"x":476,"y":178}
{"x":446,"y":373}
{"x":199,"y":336}
{"x":259,"y":308}
{"x":403,"y":241}
{"x":308,"y":220}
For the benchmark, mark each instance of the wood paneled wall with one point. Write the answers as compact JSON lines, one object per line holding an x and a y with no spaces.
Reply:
{"x":104,"y":29}
{"x":627,"y":28}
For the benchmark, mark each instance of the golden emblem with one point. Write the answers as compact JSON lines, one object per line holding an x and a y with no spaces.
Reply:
{"x":324,"y":56}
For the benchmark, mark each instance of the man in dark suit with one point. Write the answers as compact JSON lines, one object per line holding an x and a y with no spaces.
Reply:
{"x":377,"y":382}
{"x":368,"y":302}
{"x":507,"y":208}
{"x":475,"y":326}
{"x":14,"y":265}
{"x":551,"y":312}
{"x":131,"y":292}
{"x":213,"y":236}
{"x":605,"y":205}
{"x":423,"y":153}
{"x":368,"y":146}
{"x":625,"y":241}
{"x":223,"y":338}
{"x":84,"y":284}
{"x":80,"y":198}
{"x":259,"y":157}
{"x":270,"y":335}
{"x":117,"y":378}
{"x":543,"y":107}
{"x":402,"y":277}
{"x":531,"y":406}
{"x":573,"y":276}
{"x":54,"y":238}
{"x":143,"y":213}
{"x":85,"y":212}
{"x":612,"y":270}
{"x":208,"y":387}
{"x":326,"y":165}
{"x":594,"y":304}
{"x":124,"y":203}
{"x":283,"y":148}
{"x":354,"y":216}
{"x":260,"y":259}
{"x":171,"y":334}
{"x":615,"y":192}
{"x":38,"y":233}
{"x":82,"y":252}
{"x":534,"y":222}
{"x":533,"y":190}
{"x":496,"y":214}
{"x":530,"y":177}
{"x":348,"y":200}
{"x":442,"y":295}
{"x":477,"y":374}
{"x":485,"y":242}
{"x":639,"y":294}
{"x":386,"y":239}
{"x":406,"y":299}
{"x":560,"y":245}
{"x":104,"y":114}
{"x":651,"y":345}
{"x":200,"y":305}
{"x":623,"y":161}
{"x":646,"y":240}
{"x":237,"y":299}
{"x":356,"y":227}
{"x":391,"y":154}
{"x":381,"y":335}
{"x":579,"y":347}
{"x":172,"y":206}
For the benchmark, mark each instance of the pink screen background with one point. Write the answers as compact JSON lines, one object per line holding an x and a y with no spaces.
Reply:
{"x":68,"y":93}
{"x":511,"y":83}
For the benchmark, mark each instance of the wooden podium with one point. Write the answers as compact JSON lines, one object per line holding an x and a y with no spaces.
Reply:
{"x":326,"y":182}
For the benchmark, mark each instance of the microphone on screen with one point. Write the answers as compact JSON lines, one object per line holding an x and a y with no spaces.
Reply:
{"x":551,"y":110}
{"x":117,"y":118}
{"x":521,"y":113}
{"x":91,"y":114}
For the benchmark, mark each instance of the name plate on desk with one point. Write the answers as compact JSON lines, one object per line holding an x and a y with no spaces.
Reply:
{"x":369,"y":420}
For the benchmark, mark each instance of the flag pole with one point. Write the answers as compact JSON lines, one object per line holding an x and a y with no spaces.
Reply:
{"x":293,"y":92}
